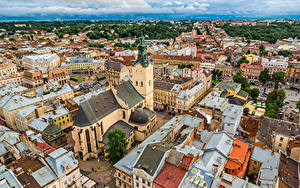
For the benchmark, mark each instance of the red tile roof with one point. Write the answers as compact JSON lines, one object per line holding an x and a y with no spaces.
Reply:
{"x":238,"y":158}
{"x":182,"y":58}
{"x":169,"y":176}
{"x":245,"y":65}
{"x":45,"y":146}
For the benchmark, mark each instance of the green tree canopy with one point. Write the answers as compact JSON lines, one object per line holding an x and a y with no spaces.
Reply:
{"x":116,"y":145}
{"x":285,"y":53}
{"x":243,"y":60}
{"x":261,"y":48}
{"x":278,"y":77}
{"x":238,"y":78}
{"x":254,"y":93}
{"x":264,"y":76}
{"x":274,"y":102}
{"x":298,"y":105}
{"x":217,"y":74}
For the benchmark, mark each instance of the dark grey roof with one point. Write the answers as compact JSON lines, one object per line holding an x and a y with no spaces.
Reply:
{"x":269,"y":126}
{"x":96,"y":108}
{"x":139,"y":117}
{"x":149,"y":112}
{"x":118,"y":125}
{"x":236,"y":101}
{"x":81,"y":59}
{"x":115,"y":65}
{"x":151,"y":157}
{"x":129,"y":94}
{"x":163,"y":85}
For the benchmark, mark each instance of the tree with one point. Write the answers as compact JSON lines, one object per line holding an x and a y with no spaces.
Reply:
{"x":274,"y":102}
{"x":248,"y":52}
{"x":285,"y":53}
{"x":238,"y":78}
{"x":298,"y":59}
{"x":298,"y":105}
{"x":264,"y":76}
{"x":264,"y":53}
{"x":254,"y":93}
{"x":246,"y":111}
{"x":243,"y":60}
{"x":261,"y":48}
{"x":217,"y":74}
{"x":281,"y":97}
{"x":277,"y":77}
{"x":116,"y":145}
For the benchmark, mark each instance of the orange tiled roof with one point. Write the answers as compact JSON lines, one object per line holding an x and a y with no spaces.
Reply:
{"x":238,"y":158}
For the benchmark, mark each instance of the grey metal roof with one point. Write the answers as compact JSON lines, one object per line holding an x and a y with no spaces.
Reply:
{"x":115,"y":65}
{"x":118,"y":125}
{"x":126,"y":163}
{"x":151,"y":157}
{"x":129,"y":94}
{"x":81,"y":59}
{"x":96,"y":108}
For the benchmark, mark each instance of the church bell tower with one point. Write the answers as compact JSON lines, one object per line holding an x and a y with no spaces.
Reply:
{"x":142,"y":74}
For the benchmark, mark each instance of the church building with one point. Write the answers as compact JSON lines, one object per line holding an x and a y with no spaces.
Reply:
{"x":128,"y":106}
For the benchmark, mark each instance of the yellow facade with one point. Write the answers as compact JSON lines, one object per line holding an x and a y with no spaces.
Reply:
{"x":251,"y":58}
{"x":61,"y":120}
{"x":82,"y":67}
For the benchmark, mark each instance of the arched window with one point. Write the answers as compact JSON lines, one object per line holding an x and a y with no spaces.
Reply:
{"x":142,"y":84}
{"x":136,"y":83}
{"x":149,"y":82}
{"x":88,"y":141}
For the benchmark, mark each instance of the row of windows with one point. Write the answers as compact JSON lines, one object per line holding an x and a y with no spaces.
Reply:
{"x":142,"y":84}
{"x":143,"y":181}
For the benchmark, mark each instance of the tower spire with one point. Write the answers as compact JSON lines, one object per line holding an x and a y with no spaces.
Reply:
{"x":142,"y":53}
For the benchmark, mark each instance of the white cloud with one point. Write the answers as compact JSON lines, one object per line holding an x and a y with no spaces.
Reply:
{"x":98,"y":7}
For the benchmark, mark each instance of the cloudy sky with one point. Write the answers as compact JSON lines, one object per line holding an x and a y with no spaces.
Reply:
{"x":192,"y":7}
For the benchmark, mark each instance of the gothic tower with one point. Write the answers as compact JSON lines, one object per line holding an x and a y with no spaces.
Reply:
{"x":142,"y":74}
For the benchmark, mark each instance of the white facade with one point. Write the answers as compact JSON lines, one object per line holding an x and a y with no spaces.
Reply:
{"x":231,"y":118}
{"x":41,"y":61}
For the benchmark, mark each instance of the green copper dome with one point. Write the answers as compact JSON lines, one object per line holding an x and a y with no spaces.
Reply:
{"x":142,"y":53}
{"x":52,"y":129}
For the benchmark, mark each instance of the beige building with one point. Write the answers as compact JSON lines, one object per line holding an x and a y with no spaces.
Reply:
{"x":251,"y":72}
{"x":127,"y":107}
{"x":7,"y":68}
{"x":36,"y":78}
{"x":121,"y":107}
{"x":12,"y":79}
{"x":116,"y":72}
{"x":33,"y":78}
{"x":142,"y":70}
{"x":277,"y":134}
{"x":11,"y":103}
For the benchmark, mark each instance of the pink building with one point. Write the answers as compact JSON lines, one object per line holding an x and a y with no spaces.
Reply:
{"x":198,"y":74}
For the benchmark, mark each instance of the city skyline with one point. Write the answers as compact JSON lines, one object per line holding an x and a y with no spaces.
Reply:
{"x":147,"y":9}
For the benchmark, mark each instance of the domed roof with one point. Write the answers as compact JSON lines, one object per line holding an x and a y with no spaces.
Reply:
{"x":139,"y":117}
{"x":52,"y":129}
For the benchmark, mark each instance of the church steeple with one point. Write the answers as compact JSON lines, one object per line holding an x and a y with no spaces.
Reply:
{"x":142,"y":53}
{"x":142,"y":74}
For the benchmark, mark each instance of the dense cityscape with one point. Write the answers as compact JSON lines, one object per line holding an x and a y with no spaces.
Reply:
{"x":140,"y":104}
